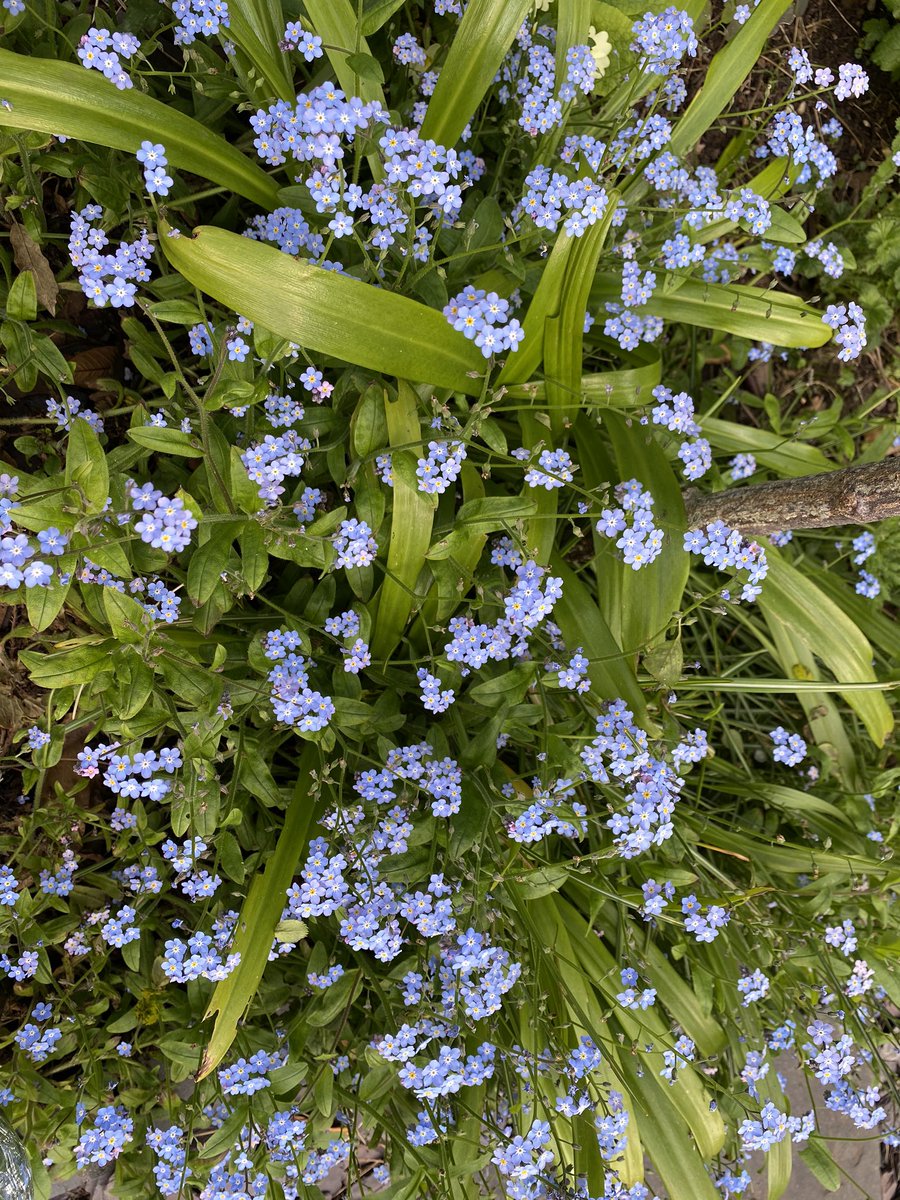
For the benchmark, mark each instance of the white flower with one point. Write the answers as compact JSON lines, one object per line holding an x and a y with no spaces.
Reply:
{"x":601,"y":50}
{"x":542,"y":5}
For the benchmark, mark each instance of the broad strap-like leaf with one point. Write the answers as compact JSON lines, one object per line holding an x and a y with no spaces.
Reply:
{"x":60,"y":97}
{"x":725,"y":75}
{"x":628,"y":387}
{"x":411,"y":522}
{"x":573,"y":18}
{"x":260,"y":913}
{"x":335,"y":23}
{"x":484,"y":35}
{"x":765,"y":316}
{"x":564,"y":330}
{"x":830,"y":635}
{"x":256,"y":27}
{"x":325,"y":312}
{"x":772,"y":450}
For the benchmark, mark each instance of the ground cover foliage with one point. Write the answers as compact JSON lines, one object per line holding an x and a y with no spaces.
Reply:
{"x":395,"y":781}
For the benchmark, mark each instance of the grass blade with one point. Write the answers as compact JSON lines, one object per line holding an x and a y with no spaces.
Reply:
{"x":60,"y":97}
{"x":325,"y":312}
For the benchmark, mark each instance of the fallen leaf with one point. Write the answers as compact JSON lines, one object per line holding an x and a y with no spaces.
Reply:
{"x":30,"y":257}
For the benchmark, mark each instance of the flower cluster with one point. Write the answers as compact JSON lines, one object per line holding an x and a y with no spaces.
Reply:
{"x":152,"y":157}
{"x":354,"y":544}
{"x":106,"y":278}
{"x":638,"y":539}
{"x":790,"y":748}
{"x":663,"y":39}
{"x":105,"y":1140}
{"x":629,"y":997}
{"x":292,"y":699}
{"x":552,"y":810}
{"x":483,"y":317}
{"x":100,"y":50}
{"x":554,"y":470}
{"x":849,"y":323}
{"x":725,"y":548}
{"x":197,"y":18}
{"x":704,"y":926}
{"x":164,"y":523}
{"x":295,"y":37}
{"x":248,"y":1076}
{"x":621,"y":751}
{"x":441,"y":467}
{"x":676,"y":413}
{"x":201,"y":957}
{"x":548,"y":195}
{"x":526,"y":606}
{"x":772,"y":1127}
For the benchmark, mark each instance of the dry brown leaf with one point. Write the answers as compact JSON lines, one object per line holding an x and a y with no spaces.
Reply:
{"x":30,"y":257}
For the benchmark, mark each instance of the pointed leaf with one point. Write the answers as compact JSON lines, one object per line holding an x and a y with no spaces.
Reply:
{"x":830,"y":635}
{"x":260,"y":914}
{"x":59,"y":97}
{"x":484,"y":35}
{"x":326,"y":312}
{"x":413,"y":516}
{"x":766,"y":316}
{"x":725,"y":74}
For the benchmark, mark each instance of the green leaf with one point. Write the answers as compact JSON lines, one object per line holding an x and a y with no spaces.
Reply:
{"x":176,"y":312}
{"x":411,"y":522}
{"x":257,"y":26}
{"x":666,"y":1137}
{"x":830,"y":635}
{"x":256,"y":925}
{"x":818,"y":1158}
{"x":208,"y":562}
{"x":366,"y":67}
{"x":564,"y":331}
{"x":126,"y":617}
{"x":519,"y":367}
{"x":67,"y":668}
{"x":627,"y":387}
{"x":769,"y":449}
{"x":376,"y":13}
{"x":60,"y":97}
{"x":582,"y":623}
{"x":485,"y":33}
{"x":166,"y":441}
{"x":494,"y":512}
{"x":725,"y":75}
{"x":44,"y":604}
{"x":86,"y":467}
{"x":326,"y":312}
{"x":766,"y":316}
{"x":254,"y":556}
{"x":573,"y":17}
{"x":335,"y":23}
{"x":21,"y":300}
{"x":651,"y":596}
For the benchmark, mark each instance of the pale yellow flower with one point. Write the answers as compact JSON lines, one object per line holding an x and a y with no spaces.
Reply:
{"x":600,"y":50}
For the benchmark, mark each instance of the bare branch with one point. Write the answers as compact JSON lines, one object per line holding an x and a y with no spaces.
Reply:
{"x":851,"y":496}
